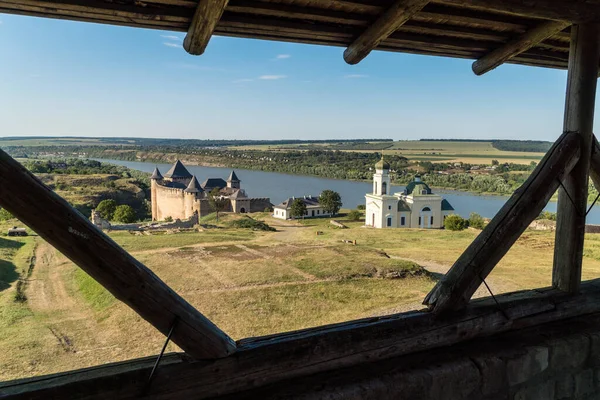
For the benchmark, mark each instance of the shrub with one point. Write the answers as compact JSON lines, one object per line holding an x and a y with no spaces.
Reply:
{"x":5,"y":215}
{"x":455,"y":223}
{"x":107,"y":208}
{"x":124,"y":214}
{"x":547,"y":215}
{"x":253,"y":224}
{"x":169,"y":219}
{"x":476,"y":221}
{"x":268,"y":209}
{"x":355,"y":215}
{"x":361,"y":207}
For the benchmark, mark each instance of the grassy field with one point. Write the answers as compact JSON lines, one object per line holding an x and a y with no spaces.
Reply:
{"x":248,"y":282}
{"x":434,"y":151}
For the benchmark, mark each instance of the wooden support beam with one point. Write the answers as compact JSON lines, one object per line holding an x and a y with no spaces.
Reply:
{"x":267,"y":360}
{"x":595,"y":164}
{"x":37,"y":206}
{"x":579,"y":118}
{"x":208,"y":13}
{"x":456,"y":288}
{"x":515,"y":47}
{"x":392,"y":19}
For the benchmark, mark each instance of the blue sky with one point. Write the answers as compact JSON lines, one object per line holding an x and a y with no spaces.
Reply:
{"x":62,"y":78}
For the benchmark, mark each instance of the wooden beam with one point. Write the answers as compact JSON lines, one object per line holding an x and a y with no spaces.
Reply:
{"x":595,"y":164}
{"x":37,"y":206}
{"x":560,"y":10}
{"x":267,"y":360}
{"x":579,"y":118}
{"x":392,"y":19}
{"x":208,"y":13}
{"x":456,"y":288}
{"x":515,"y":47}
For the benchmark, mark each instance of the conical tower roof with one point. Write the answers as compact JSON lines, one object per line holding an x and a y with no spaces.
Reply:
{"x":178,"y":170}
{"x":233,"y":177}
{"x":194,"y":186}
{"x":156,"y":174}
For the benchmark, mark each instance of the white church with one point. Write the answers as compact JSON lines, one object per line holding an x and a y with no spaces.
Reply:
{"x":416,"y":207}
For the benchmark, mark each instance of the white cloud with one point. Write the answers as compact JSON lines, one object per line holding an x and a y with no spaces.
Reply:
{"x":170,"y":37}
{"x":170,"y":44}
{"x":271,"y":77}
{"x":242,"y":80}
{"x":355,"y":76}
{"x":283,"y":56}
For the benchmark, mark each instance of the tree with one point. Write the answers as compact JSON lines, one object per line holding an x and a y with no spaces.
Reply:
{"x":216,"y":201}
{"x":107,"y":208}
{"x":125,"y":214}
{"x":298,"y":208}
{"x":330,"y":201}
{"x":476,"y":221}
{"x":495,"y":162}
{"x":5,"y":215}
{"x":355,"y":215}
{"x":455,"y":223}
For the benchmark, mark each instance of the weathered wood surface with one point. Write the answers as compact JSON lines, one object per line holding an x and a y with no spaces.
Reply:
{"x":579,"y":118}
{"x":595,"y":164}
{"x":203,"y":25}
{"x":271,"y":359}
{"x":33,"y":203}
{"x":393,"y":18}
{"x":456,"y":288}
{"x":515,"y":47}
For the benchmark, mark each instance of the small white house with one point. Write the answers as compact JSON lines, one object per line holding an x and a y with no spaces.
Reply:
{"x":416,"y":207}
{"x":313,"y":208}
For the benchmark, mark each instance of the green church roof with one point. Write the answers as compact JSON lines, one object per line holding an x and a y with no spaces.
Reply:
{"x":419,"y":185}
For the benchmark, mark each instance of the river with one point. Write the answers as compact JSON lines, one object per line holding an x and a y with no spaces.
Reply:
{"x":280,"y":186}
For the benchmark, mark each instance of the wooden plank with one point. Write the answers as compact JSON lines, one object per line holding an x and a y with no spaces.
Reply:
{"x":275,"y":358}
{"x":393,"y":18}
{"x":456,"y":288}
{"x":28,"y":199}
{"x":560,"y":10}
{"x":579,"y":118}
{"x":515,"y":47}
{"x":207,"y":15}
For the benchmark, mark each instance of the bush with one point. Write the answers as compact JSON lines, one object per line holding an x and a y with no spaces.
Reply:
{"x":253,"y":224}
{"x":455,"y":223}
{"x":5,"y":215}
{"x":124,"y":214}
{"x":361,"y":207}
{"x":547,"y":215}
{"x":268,"y":209}
{"x":107,"y":208}
{"x":476,"y":221}
{"x":169,"y":219}
{"x":355,"y":215}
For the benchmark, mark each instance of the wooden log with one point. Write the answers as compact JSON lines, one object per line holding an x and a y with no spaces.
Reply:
{"x":579,"y":118}
{"x":456,"y":288}
{"x":37,"y":206}
{"x":534,"y":36}
{"x":208,"y":13}
{"x":275,"y":358}
{"x":393,"y":18}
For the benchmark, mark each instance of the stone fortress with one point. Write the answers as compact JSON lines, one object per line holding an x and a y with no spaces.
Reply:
{"x":178,"y":195}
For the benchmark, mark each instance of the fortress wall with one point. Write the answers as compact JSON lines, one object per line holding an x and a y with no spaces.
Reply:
{"x":169,"y":202}
{"x":258,"y":204}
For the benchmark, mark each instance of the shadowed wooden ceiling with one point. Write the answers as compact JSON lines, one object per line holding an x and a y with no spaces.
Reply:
{"x":452,"y":28}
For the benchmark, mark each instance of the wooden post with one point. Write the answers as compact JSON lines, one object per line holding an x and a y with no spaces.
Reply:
{"x":455,"y":289}
{"x":579,"y":117}
{"x":28,"y":199}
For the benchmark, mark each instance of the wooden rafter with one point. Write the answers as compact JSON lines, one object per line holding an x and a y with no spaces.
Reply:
{"x":34,"y":204}
{"x":456,"y":288}
{"x":573,"y":194}
{"x":207,"y":15}
{"x":517,"y":46}
{"x":277,"y":358}
{"x":387,"y":23}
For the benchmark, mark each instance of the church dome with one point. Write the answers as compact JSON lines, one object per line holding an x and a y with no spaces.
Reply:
{"x":382,"y":164}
